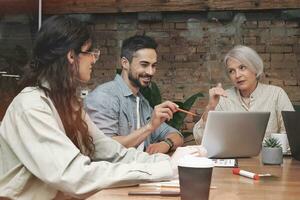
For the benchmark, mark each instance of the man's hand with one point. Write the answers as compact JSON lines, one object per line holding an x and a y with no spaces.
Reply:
{"x":161,"y":113}
{"x":160,"y":147}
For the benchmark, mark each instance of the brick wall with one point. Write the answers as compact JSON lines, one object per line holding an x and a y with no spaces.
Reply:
{"x":192,"y":47}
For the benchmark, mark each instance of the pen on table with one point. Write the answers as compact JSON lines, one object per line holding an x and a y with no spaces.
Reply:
{"x":169,"y":193}
{"x":160,"y":193}
{"x":187,"y":112}
{"x":170,"y":185}
{"x":165,"y":185}
{"x":247,"y":174}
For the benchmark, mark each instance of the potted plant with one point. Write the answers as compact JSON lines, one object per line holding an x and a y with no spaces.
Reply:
{"x":152,"y":94}
{"x":271,"y":151}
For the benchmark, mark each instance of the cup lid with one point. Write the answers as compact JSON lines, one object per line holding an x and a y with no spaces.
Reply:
{"x":195,"y":162}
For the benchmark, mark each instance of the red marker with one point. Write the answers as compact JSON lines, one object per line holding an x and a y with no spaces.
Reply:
{"x":244,"y":173}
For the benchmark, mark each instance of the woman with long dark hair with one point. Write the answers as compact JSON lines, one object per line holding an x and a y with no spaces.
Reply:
{"x":49,"y":148}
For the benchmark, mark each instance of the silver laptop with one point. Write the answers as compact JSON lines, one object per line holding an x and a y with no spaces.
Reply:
{"x":234,"y":134}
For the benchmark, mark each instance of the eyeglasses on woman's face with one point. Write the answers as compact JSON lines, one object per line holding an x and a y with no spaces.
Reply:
{"x":94,"y":52}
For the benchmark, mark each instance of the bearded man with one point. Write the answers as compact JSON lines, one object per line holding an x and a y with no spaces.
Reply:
{"x":120,"y":110}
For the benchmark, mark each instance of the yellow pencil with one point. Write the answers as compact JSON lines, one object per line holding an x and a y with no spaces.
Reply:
{"x":187,"y":112}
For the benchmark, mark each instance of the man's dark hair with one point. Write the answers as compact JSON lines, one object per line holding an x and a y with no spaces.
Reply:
{"x":135,"y":43}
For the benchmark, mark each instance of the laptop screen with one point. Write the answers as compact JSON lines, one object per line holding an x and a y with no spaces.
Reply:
{"x":234,"y":134}
{"x":292,"y":126}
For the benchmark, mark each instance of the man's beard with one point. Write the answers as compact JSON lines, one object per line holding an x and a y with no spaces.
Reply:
{"x":136,"y":82}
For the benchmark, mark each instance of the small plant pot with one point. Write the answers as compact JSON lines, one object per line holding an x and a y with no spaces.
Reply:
{"x":271,"y":156}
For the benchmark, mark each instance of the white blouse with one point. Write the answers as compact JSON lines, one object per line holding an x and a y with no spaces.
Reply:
{"x":38,"y":161}
{"x":264,"y":98}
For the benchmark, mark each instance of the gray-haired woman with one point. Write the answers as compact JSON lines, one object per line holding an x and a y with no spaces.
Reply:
{"x":244,"y":68}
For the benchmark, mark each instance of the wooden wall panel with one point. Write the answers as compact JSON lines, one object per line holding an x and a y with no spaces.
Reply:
{"x":18,"y":6}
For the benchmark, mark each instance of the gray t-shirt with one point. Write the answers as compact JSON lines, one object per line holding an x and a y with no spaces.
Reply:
{"x":112,"y":107}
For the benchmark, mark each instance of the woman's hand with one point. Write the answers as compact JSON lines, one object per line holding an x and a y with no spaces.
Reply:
{"x":196,"y":150}
{"x":214,"y":96}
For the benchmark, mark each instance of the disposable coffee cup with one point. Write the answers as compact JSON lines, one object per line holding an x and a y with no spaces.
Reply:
{"x":195,"y":177}
{"x":283,"y":140}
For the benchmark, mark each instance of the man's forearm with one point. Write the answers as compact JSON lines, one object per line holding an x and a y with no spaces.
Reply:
{"x":176,"y":139}
{"x":135,"y":138}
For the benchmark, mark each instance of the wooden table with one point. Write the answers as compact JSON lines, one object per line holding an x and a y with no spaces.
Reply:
{"x":285,"y":184}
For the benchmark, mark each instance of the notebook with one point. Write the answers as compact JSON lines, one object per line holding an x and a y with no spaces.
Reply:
{"x":234,"y":134}
{"x":225,"y":162}
{"x":292,"y":126}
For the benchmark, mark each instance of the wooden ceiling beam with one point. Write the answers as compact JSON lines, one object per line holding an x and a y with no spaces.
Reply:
{"x":13,"y":7}
{"x":123,"y":6}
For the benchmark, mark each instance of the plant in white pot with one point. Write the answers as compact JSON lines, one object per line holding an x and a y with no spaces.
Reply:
{"x":271,"y":151}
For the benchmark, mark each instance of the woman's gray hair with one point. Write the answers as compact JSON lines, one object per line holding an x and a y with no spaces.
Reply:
{"x":248,"y":57}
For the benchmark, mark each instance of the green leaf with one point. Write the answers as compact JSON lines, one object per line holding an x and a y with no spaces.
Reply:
{"x":119,"y":71}
{"x":296,"y":107}
{"x":178,"y":118}
{"x":191,"y":100}
{"x":186,"y":134}
{"x":152,"y":94}
{"x":271,"y":142}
